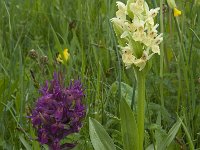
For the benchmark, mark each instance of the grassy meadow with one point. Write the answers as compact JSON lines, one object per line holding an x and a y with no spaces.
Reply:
{"x":32,"y":33}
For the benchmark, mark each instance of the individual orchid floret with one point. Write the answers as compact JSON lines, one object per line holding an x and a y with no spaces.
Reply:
{"x":127,"y":56}
{"x":121,"y":13}
{"x":141,"y":62}
{"x":138,"y":23}
{"x":138,"y":7}
{"x":58,"y":113}
{"x":156,"y":49}
{"x":151,"y":15}
{"x":129,"y":27}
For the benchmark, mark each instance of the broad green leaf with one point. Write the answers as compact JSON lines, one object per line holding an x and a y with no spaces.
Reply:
{"x":160,"y":133}
{"x":150,"y":147}
{"x":126,"y":91}
{"x":99,"y":137}
{"x":170,"y":136}
{"x":128,"y":127}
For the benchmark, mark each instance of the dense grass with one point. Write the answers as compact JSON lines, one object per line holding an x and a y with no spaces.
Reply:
{"x":84,"y":28}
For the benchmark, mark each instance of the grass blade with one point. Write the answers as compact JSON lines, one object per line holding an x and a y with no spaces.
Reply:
{"x":26,"y":145}
{"x":187,"y":135}
{"x":170,"y":136}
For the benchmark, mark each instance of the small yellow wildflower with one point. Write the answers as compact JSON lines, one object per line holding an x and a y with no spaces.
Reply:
{"x":65,"y":54}
{"x":176,"y":12}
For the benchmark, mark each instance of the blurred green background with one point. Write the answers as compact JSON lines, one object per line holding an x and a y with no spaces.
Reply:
{"x":84,"y":27}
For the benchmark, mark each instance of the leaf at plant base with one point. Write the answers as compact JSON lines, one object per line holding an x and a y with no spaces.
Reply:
{"x":128,"y":127}
{"x":126,"y":91}
{"x":170,"y":136}
{"x":83,"y":146}
{"x":150,"y":147}
{"x":160,"y":133}
{"x":99,"y":137}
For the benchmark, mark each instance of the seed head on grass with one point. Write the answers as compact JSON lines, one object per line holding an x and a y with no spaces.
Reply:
{"x":33,"y":54}
{"x":58,"y":113}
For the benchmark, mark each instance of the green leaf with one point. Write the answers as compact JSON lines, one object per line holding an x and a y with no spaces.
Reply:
{"x":128,"y":127}
{"x":24,"y":142}
{"x":187,"y":135}
{"x":126,"y":91}
{"x":138,"y":50}
{"x":118,"y":31}
{"x":150,"y":147}
{"x":99,"y":137}
{"x":86,"y":145}
{"x":170,"y":136}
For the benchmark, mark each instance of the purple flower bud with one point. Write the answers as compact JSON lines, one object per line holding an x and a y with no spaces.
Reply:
{"x":59,"y":113}
{"x":42,"y":136}
{"x":36,"y":120}
{"x":56,"y":145}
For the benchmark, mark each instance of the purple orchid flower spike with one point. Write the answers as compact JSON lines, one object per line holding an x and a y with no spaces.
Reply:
{"x":58,"y":112}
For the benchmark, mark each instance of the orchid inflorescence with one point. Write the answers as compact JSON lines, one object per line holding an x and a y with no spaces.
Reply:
{"x":137,"y":33}
{"x":58,"y":113}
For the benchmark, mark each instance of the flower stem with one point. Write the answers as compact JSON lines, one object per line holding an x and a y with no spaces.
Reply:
{"x":161,"y":55}
{"x":140,"y":97}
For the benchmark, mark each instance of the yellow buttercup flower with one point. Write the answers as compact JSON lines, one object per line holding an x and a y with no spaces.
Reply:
{"x":65,"y":54}
{"x":176,"y":12}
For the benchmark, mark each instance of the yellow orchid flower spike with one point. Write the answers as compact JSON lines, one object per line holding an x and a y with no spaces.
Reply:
{"x":65,"y":54}
{"x":176,"y":12}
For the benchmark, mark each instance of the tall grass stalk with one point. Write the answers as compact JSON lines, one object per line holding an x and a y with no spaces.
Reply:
{"x":161,"y":54}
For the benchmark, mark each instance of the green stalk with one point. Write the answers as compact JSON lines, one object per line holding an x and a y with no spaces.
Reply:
{"x":140,"y":97}
{"x":181,"y":40}
{"x":161,"y":55}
